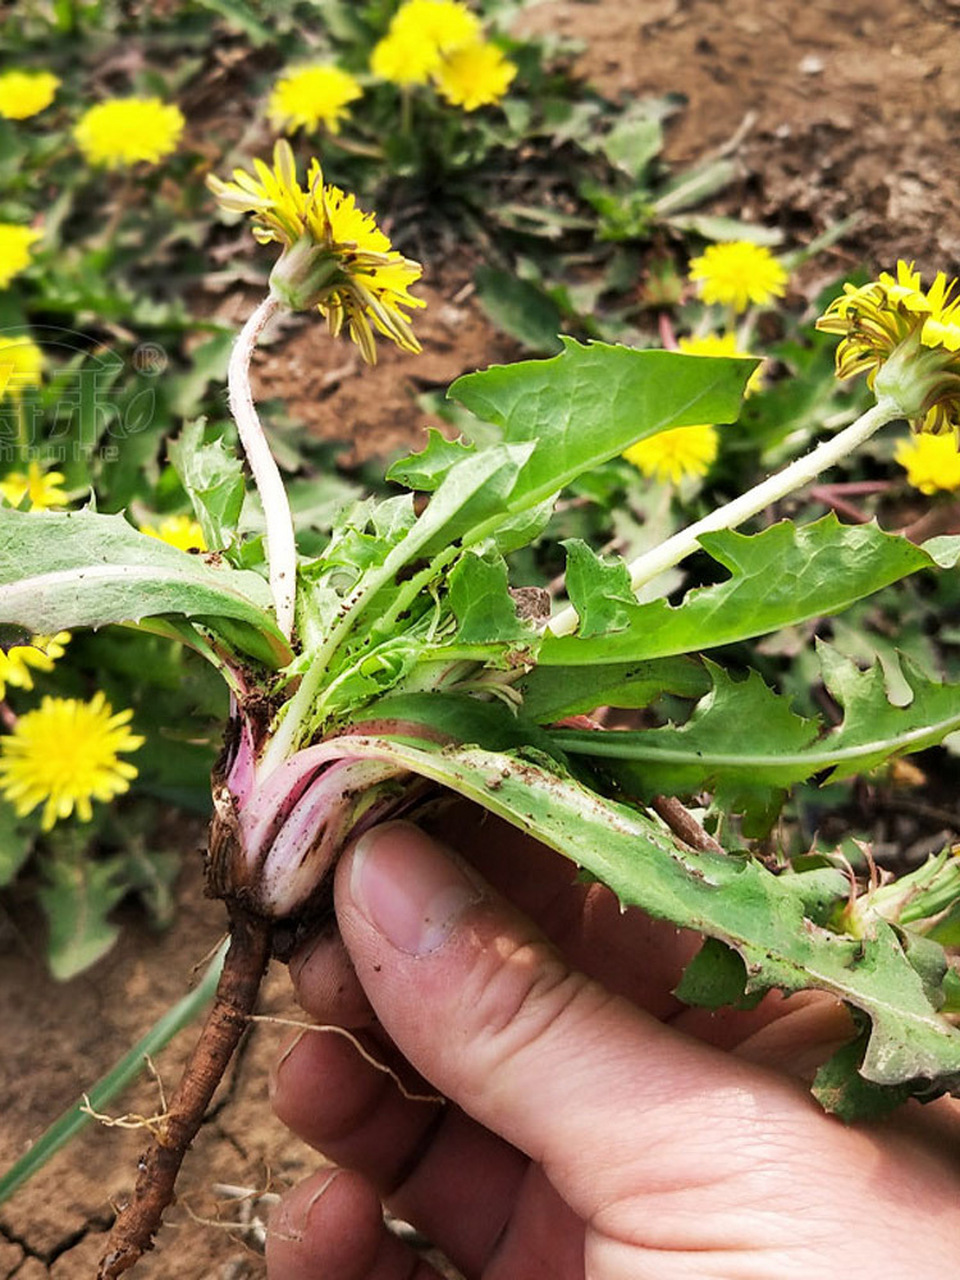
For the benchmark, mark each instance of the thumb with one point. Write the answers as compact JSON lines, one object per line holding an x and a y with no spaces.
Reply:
{"x":488,"y":1011}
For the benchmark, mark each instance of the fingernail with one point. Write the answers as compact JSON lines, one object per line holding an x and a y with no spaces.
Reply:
{"x":409,"y":887}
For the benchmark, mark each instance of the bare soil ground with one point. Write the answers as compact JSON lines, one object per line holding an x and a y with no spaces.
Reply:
{"x":835,"y":108}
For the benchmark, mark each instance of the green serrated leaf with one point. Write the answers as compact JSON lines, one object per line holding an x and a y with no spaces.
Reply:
{"x":478,"y":594}
{"x":550,"y":693}
{"x":82,"y":569}
{"x":426,"y":469}
{"x":716,"y":976}
{"x":76,"y":898}
{"x":589,"y":403}
{"x":745,"y":742}
{"x":213,"y":477}
{"x":778,"y":578}
{"x":599,"y":589}
{"x":16,"y":844}
{"x":770,"y":920}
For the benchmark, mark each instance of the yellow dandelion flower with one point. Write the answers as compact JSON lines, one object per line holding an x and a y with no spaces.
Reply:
{"x":15,"y":246}
{"x":310,"y":97}
{"x":421,"y":32}
{"x":182,"y":532}
{"x":443,"y":25}
{"x":723,"y":344}
{"x":38,"y":653}
{"x":931,"y":462}
{"x":126,"y":131}
{"x":907,"y":342}
{"x":335,"y":256}
{"x":671,"y":456}
{"x":737,"y":274}
{"x":42,"y":488}
{"x":476,"y":75}
{"x":404,"y":59}
{"x":26,"y":93}
{"x":21,"y":366}
{"x":63,"y":755}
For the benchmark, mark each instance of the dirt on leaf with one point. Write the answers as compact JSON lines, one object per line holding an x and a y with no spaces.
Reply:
{"x":829,"y":109}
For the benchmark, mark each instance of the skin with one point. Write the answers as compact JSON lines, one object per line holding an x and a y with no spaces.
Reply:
{"x":590,"y":1126}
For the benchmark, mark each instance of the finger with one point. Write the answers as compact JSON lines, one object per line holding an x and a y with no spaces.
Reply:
{"x":485,"y":1008}
{"x":425,"y":1158}
{"x":628,"y":952}
{"x":331,"y":1227}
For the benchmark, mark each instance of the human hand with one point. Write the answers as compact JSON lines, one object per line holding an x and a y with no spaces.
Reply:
{"x":595,"y":1127}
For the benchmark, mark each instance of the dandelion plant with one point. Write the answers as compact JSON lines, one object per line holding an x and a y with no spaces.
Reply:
{"x":404,"y":662}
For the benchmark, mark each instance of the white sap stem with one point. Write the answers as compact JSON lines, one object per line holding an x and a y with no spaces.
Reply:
{"x":281,"y":547}
{"x":801,"y":472}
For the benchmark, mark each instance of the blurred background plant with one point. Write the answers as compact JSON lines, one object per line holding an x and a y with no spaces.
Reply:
{"x":472,"y":145}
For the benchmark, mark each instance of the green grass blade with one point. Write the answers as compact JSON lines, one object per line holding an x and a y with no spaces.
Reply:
{"x":108,"y":1086}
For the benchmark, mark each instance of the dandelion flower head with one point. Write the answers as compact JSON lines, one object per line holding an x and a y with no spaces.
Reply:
{"x":476,"y":75}
{"x":65,"y":754}
{"x":931,"y":462}
{"x":26,"y":93}
{"x":127,"y":131}
{"x":41,"y":488}
{"x":182,"y":532}
{"x":421,"y":33}
{"x":16,"y":243}
{"x":310,"y":97}
{"x":334,"y":254}
{"x":722,"y":344}
{"x":738,"y":274}
{"x":21,"y":366}
{"x":910,"y":334}
{"x":37,"y":653}
{"x":674,"y":455}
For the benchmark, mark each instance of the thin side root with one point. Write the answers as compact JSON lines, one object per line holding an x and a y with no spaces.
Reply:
{"x":139,"y":1221}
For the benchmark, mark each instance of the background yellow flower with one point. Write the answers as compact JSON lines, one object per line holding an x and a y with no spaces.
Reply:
{"x":420,"y":34}
{"x":36,"y":654}
{"x":723,"y":344}
{"x":182,"y":532}
{"x":21,"y":366}
{"x":15,"y":245}
{"x":931,"y":462}
{"x":25,"y":93}
{"x":476,"y":75}
{"x":125,"y":131}
{"x":63,"y":755}
{"x":671,"y":456}
{"x":310,"y":97}
{"x":737,"y":274}
{"x":42,"y":488}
